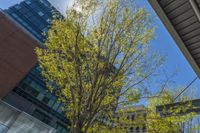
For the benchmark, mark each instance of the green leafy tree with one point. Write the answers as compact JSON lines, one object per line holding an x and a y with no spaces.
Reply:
{"x":95,"y":59}
{"x":171,"y":118}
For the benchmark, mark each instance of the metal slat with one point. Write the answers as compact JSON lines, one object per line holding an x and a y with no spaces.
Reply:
{"x":186,"y":23}
{"x":191,"y":34}
{"x":192,"y":40}
{"x":198,"y":61}
{"x":175,"y":4}
{"x":165,"y":2}
{"x":198,"y":1}
{"x":180,"y":10}
{"x":197,"y":56}
{"x":183,"y":17}
{"x":195,"y":51}
{"x":193,"y":46}
{"x":189,"y":28}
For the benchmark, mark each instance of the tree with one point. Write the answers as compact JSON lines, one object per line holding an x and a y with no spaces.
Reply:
{"x":95,"y":58}
{"x":173,"y":118}
{"x":170,"y":119}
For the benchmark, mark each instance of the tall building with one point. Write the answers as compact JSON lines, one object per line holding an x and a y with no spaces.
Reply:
{"x":31,"y":94}
{"x":34,"y":15}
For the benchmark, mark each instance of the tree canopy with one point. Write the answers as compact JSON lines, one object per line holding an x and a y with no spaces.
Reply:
{"x":95,"y":58}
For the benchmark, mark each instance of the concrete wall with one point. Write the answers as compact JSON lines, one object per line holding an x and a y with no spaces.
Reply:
{"x":16,"y":121}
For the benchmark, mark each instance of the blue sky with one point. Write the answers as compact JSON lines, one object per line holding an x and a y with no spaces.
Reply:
{"x":163,"y":43}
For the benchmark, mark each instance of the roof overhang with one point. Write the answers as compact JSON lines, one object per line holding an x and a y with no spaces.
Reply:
{"x":182,"y":20}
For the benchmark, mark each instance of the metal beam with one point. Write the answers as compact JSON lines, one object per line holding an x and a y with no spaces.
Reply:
{"x":195,"y":8}
{"x":195,"y":107}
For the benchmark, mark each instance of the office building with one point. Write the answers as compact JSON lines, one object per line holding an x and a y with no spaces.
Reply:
{"x":26,"y":90}
{"x":34,"y":15}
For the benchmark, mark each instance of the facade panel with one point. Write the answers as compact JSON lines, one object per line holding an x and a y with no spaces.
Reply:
{"x":34,"y":15}
{"x":16,"y":54}
{"x":31,"y":94}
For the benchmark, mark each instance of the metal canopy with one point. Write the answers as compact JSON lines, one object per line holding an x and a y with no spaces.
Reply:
{"x":163,"y":110}
{"x":182,"y":19}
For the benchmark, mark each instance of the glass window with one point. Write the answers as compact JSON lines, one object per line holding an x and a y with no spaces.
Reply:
{"x":38,"y":68}
{"x":34,"y":92}
{"x":28,"y":15}
{"x":45,"y":3}
{"x":145,"y":115}
{"x":45,"y":100}
{"x":144,"y":128}
{"x":30,"y":29}
{"x":41,"y":26}
{"x":40,"y":88}
{"x":19,"y":19}
{"x":14,"y":15}
{"x":49,"y":21}
{"x":38,"y":36}
{"x":61,"y":128}
{"x":23,"y":85}
{"x":25,"y":24}
{"x":40,"y":96}
{"x":127,"y":117}
{"x":137,"y":129}
{"x":27,"y":80}
{"x":41,"y":116}
{"x":17,"y":7}
{"x":55,"y":106}
{"x":24,"y":10}
{"x":40,"y":13}
{"x":60,"y":109}
{"x":33,"y":6}
{"x":34,"y":85}
{"x":28,"y":2}
{"x":45,"y":30}
{"x":64,"y":130}
{"x":132,"y":117}
{"x":51,"y":102}
{"x":131,"y":129}
{"x":34,"y":20}
{"x":29,"y":90}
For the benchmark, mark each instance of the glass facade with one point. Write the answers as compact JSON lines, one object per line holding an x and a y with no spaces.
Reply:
{"x":36,"y":16}
{"x":61,"y":128}
{"x":33,"y":84}
{"x":13,"y":120}
{"x":33,"y":88}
